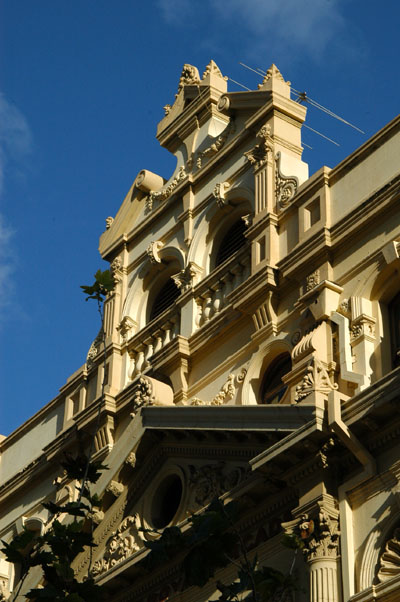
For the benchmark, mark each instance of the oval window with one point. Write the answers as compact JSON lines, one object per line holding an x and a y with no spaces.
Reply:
{"x":166,"y":501}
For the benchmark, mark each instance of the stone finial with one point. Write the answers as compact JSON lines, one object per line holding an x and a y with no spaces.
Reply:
{"x":212,"y":69}
{"x":189,"y":76}
{"x":274,"y":81}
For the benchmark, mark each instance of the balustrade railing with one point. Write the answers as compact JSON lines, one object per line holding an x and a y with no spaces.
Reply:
{"x":156,"y":335}
{"x":212,"y":293}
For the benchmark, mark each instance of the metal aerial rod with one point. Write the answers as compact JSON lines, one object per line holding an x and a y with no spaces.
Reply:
{"x":303,"y":97}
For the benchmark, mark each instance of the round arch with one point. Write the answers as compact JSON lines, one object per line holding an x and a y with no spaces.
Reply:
{"x":267,"y":353}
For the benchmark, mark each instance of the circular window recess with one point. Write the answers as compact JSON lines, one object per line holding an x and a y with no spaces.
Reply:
{"x":166,"y":501}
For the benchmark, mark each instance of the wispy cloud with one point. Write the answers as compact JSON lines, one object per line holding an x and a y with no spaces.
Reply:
{"x":308,"y":26}
{"x":15,"y":146}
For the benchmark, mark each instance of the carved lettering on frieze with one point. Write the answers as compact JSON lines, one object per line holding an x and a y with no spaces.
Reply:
{"x":316,"y":378}
{"x":258,"y":155}
{"x":389,"y":561}
{"x":123,"y":543}
{"x":285,"y":186}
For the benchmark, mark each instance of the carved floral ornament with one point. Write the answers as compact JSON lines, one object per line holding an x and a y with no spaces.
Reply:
{"x":123,"y":543}
{"x":153,"y":251}
{"x":219,"y":193}
{"x":320,"y":535}
{"x":315,"y":379}
{"x":213,"y":480}
{"x":216,"y":146}
{"x":258,"y":155}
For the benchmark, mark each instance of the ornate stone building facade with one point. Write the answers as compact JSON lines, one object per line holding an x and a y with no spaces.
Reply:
{"x":252,"y":349}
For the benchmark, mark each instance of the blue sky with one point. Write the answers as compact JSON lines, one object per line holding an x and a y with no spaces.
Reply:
{"x":82,"y":87}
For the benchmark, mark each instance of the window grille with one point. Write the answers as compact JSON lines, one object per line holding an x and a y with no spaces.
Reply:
{"x":164,"y":299}
{"x":233,"y":240}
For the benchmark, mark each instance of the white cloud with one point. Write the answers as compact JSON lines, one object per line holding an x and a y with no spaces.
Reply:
{"x":275,"y":26}
{"x":15,"y":136}
{"x":15,"y":145}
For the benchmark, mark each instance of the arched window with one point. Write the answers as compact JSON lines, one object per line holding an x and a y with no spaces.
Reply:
{"x":164,"y":298}
{"x":233,"y":240}
{"x":394,"y":315}
{"x":273,"y":388}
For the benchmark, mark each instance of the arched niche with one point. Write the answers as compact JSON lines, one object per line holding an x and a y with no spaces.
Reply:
{"x":264,"y":357}
{"x":147,"y":281}
{"x":211,"y":227}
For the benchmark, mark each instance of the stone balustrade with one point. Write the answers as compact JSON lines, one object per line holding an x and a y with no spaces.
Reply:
{"x":156,"y":335}
{"x":212,"y":294}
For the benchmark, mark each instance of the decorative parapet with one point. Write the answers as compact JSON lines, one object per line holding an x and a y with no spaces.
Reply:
{"x":226,"y":393}
{"x":285,"y":186}
{"x":165,"y":193}
{"x":315,"y":379}
{"x":258,"y":155}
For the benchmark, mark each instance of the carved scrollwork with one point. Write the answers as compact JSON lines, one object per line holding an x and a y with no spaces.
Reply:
{"x":123,"y":543}
{"x":165,"y":193}
{"x":258,"y":155}
{"x":219,"y":193}
{"x":109,"y":222}
{"x":94,"y":349}
{"x":285,"y":186}
{"x":186,"y":278}
{"x":227,"y":391}
{"x":126,"y":328}
{"x":216,"y":146}
{"x":389,"y":561}
{"x":153,"y":251}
